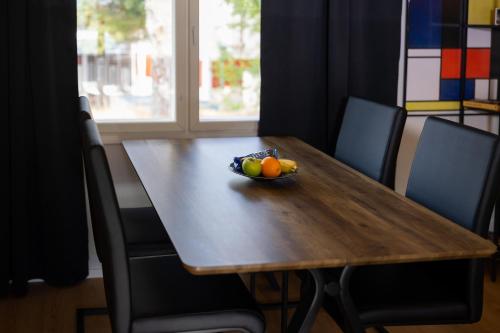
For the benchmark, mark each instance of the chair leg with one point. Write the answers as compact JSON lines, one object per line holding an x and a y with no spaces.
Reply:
{"x":352,"y":320}
{"x":84,"y":312}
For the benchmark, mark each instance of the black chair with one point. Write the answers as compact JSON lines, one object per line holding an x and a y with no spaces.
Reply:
{"x":144,"y":232}
{"x":156,"y":294}
{"x":369,"y":138}
{"x":85,"y":111}
{"x":455,"y":173}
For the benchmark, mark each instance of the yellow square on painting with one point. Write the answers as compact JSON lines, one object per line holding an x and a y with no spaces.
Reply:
{"x":481,"y":11}
{"x":433,"y":106}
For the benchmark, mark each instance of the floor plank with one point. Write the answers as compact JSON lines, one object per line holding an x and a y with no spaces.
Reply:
{"x":52,"y":310}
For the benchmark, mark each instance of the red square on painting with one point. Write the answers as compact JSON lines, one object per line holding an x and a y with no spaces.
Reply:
{"x":450,"y":63}
{"x":478,"y":63}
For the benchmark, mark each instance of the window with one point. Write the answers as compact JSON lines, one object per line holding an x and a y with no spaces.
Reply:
{"x":159,"y":65}
{"x":125,"y":58}
{"x":229,"y":52}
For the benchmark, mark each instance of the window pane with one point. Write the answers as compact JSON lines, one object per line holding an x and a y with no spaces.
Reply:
{"x":229,"y":68}
{"x":126,"y":58}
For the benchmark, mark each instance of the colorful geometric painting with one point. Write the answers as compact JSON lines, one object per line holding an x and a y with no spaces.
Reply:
{"x":435,"y":55}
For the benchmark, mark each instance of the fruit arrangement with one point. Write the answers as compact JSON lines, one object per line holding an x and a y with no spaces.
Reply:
{"x":266,"y":164}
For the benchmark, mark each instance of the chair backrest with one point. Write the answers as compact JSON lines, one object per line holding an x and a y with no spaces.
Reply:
{"x":455,"y":173}
{"x":369,"y":138}
{"x":85,"y":111}
{"x":108,"y":230}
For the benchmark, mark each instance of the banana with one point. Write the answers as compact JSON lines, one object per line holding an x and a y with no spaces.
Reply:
{"x":288,"y":166}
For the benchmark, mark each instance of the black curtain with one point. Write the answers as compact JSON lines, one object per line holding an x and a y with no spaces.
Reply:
{"x":43,"y":230}
{"x":317,"y":53}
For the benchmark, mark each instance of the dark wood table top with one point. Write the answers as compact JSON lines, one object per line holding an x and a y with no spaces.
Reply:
{"x":328,"y":216}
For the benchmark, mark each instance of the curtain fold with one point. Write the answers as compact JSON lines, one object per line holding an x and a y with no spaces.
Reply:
{"x":43,"y":228}
{"x":339,"y":40}
{"x":293,"y":62}
{"x":375,"y":46}
{"x":4,"y":165}
{"x":316,"y":55}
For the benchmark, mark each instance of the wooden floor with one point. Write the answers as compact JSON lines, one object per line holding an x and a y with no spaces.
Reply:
{"x":52,"y":310}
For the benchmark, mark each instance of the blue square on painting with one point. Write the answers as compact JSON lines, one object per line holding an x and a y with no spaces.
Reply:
{"x":470,"y":87}
{"x":450,"y":90}
{"x":425,"y":19}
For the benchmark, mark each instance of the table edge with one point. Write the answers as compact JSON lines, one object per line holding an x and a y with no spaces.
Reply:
{"x":312,"y":264}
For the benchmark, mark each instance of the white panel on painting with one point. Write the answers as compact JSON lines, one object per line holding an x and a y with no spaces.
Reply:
{"x":424,"y":52}
{"x":479,"y":37}
{"x":482,"y":89}
{"x":494,"y":89}
{"x":423,"y":79}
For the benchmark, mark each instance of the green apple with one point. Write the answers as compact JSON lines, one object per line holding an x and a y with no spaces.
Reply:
{"x":251,"y":167}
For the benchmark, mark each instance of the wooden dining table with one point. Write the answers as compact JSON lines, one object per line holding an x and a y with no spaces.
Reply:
{"x":328,"y":215}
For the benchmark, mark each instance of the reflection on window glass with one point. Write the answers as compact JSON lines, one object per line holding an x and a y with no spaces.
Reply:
{"x":126,"y":58}
{"x":229,"y":68}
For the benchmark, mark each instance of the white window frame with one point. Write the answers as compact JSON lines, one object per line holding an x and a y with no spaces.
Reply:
{"x":186,"y":123}
{"x":194,"y":110}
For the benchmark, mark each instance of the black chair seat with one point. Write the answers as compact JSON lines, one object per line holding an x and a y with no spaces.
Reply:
{"x":144,"y":233}
{"x":169,"y":299}
{"x":406,"y":293}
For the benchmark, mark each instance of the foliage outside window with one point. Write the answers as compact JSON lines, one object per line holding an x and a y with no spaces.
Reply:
{"x":230,"y":48}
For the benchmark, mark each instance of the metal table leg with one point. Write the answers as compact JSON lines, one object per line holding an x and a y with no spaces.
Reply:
{"x":311,"y":300}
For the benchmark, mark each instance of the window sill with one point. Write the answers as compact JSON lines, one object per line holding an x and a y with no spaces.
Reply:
{"x":116,"y":132}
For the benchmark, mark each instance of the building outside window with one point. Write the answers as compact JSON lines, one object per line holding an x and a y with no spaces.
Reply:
{"x":162,"y":61}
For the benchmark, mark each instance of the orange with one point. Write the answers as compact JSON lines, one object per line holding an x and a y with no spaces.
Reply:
{"x":271,"y":167}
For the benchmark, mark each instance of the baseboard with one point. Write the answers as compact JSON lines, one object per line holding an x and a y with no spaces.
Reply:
{"x":95,"y":273}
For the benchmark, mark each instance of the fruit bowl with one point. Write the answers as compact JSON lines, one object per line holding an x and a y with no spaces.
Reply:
{"x":232,"y":168}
